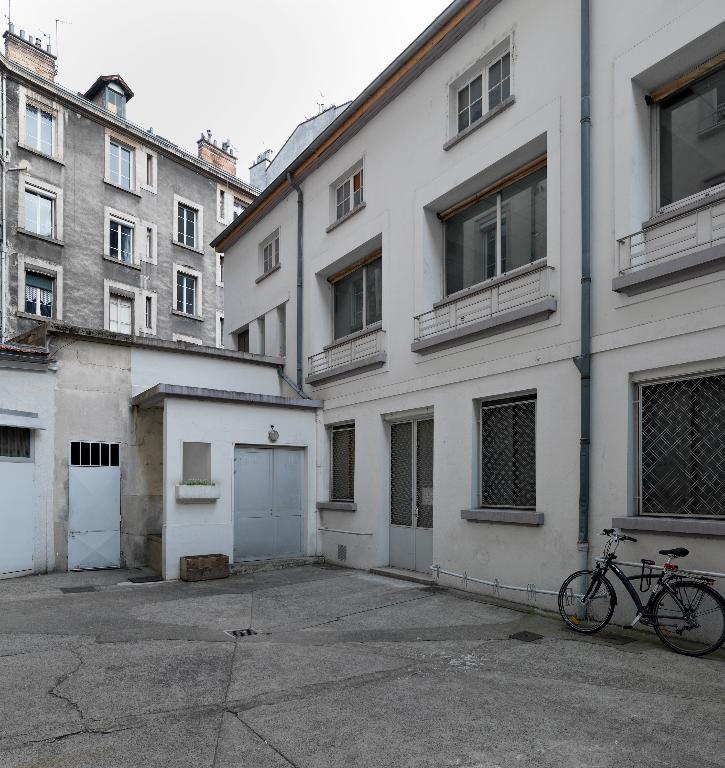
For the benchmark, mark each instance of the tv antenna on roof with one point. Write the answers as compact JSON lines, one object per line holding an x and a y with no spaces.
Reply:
{"x":59,"y":21}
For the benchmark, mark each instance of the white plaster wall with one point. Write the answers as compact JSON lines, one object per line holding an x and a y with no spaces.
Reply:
{"x":194,"y":529}
{"x":33,"y":391}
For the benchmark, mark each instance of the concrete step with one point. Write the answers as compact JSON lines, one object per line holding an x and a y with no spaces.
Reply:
{"x":252,"y":566}
{"x":403,"y":575}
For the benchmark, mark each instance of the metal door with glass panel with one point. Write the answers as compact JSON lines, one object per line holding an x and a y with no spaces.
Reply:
{"x":268,"y":502}
{"x":411,"y":495}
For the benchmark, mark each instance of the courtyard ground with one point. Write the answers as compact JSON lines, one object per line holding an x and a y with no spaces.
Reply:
{"x":347,"y":669}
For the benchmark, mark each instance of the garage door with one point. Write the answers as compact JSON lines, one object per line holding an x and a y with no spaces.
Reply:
{"x":268,"y":502}
{"x":16,"y":505}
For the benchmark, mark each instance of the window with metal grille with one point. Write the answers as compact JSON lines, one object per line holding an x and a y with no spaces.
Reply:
{"x":342,"y":485}
{"x":39,"y":294}
{"x":682,"y":447}
{"x":87,"y":454}
{"x":508,"y":453}
{"x":14,"y":443}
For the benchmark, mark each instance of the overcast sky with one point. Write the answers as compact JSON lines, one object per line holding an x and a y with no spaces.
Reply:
{"x":249,"y":70}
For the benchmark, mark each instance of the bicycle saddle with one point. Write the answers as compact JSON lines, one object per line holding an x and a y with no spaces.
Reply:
{"x":676,"y":552}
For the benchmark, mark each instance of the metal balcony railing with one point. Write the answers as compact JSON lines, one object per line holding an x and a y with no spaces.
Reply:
{"x":692,"y":231}
{"x":502,"y":294}
{"x":354,"y":349}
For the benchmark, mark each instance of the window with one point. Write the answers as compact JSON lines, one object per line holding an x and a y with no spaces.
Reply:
{"x":186,"y":230}
{"x":149,"y":314}
{"x":149,"y":243}
{"x":120,"y":311}
{"x":39,"y":213}
{"x":238,"y":207}
{"x":270,"y":254}
{"x":470,"y":102}
{"x":116,"y":102}
{"x":682,"y":447}
{"x":243,"y":340}
{"x":497,"y":233}
{"x":220,"y":331}
{"x":349,"y":194}
{"x":692,"y":139}
{"x":261,"y":335}
{"x":508,"y":453}
{"x":149,"y":170}
{"x":357,"y":299}
{"x":499,"y":81}
{"x":121,"y":162}
{"x":196,"y":462}
{"x":14,"y":443}
{"x":39,"y":129}
{"x":222,"y":206}
{"x":39,"y":294}
{"x":342,"y":483}
{"x":121,"y":241}
{"x":185,"y":293}
{"x":84,"y":454}
{"x":220,"y":269}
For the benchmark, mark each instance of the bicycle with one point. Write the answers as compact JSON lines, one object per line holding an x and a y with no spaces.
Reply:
{"x":686,"y":613}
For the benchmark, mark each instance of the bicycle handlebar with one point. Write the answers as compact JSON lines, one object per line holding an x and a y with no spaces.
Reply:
{"x":620,"y":536}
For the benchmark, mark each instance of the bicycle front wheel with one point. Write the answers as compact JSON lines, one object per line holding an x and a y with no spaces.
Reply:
{"x":689,"y":618}
{"x":586,"y":601}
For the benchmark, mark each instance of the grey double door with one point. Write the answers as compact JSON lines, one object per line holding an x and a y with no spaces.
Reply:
{"x":268,"y":502}
{"x":411,"y":494}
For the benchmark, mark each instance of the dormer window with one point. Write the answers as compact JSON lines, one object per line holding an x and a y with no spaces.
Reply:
{"x":116,"y":101}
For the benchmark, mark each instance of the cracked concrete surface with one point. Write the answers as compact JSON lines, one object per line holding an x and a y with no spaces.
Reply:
{"x":347,"y":669}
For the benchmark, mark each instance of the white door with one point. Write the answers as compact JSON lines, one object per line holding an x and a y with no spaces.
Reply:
{"x":16,"y":502}
{"x":119,"y":313}
{"x":94,"y":506}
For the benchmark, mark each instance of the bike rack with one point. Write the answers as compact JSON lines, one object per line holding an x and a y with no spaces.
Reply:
{"x":531,"y":589}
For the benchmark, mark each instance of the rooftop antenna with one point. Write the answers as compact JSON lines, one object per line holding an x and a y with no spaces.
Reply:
{"x":58,"y":21}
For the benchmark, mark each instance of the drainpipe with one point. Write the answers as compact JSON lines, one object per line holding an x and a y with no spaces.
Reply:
{"x":4,"y":244}
{"x":583,"y":361}
{"x":300,"y":209}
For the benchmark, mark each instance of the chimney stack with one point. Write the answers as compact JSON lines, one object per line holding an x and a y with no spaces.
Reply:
{"x":29,"y":53}
{"x":258,"y":169}
{"x":221,"y":157}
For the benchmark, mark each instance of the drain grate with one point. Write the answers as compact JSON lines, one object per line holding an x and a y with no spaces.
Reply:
{"x":144,"y":579}
{"x":526,"y":637}
{"x":74,"y":590}
{"x":239,"y":632}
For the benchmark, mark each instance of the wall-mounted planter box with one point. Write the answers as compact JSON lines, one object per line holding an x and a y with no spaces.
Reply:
{"x":196,"y":494}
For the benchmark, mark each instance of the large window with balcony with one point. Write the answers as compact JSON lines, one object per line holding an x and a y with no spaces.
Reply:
{"x":495,"y":232}
{"x":357,"y":299}
{"x":692,"y":139}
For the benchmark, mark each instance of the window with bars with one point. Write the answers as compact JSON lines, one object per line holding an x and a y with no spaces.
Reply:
{"x":358,"y":299}
{"x":349,"y":194}
{"x":14,"y":443}
{"x":121,"y":164}
{"x":186,"y":293}
{"x":497,"y":233}
{"x":270,"y":254}
{"x":121,"y":241}
{"x":682,"y":447}
{"x":342,"y":463}
{"x":39,"y":129}
{"x":87,"y":454}
{"x":187,"y":225}
{"x":39,"y":294}
{"x":508,"y":453}
{"x":39,"y":213}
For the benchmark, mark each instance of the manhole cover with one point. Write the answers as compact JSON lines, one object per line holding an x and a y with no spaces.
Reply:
{"x":73,"y":590}
{"x":239,"y":632}
{"x":144,"y":579}
{"x":526,"y":637}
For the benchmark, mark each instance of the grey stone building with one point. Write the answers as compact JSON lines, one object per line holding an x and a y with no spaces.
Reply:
{"x":105,"y":224}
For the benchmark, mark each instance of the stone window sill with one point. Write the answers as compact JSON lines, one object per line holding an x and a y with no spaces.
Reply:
{"x":123,"y":189}
{"x":129,"y":265}
{"x":337,"y":506}
{"x":31,"y":316}
{"x":503,"y":515}
{"x":505,"y":104}
{"x":186,"y":247}
{"x":187,"y":315}
{"x":676,"y":525}
{"x":38,"y":153}
{"x":335,"y":224}
{"x":44,"y":238}
{"x":269,"y":272}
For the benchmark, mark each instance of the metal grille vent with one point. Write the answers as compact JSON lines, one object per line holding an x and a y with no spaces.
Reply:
{"x":343,"y":463}
{"x":424,"y":473}
{"x":342,"y":552}
{"x":401,"y":473}
{"x":83,"y":454}
{"x":682,"y":436}
{"x":508,"y":454}
{"x":239,"y":632}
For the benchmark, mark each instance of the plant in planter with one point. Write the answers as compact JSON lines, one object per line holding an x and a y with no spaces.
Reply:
{"x":197,"y":481}
{"x":197,"y":491}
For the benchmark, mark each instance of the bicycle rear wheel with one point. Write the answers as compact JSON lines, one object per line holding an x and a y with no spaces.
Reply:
{"x":586,"y":601}
{"x":690,"y":619}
